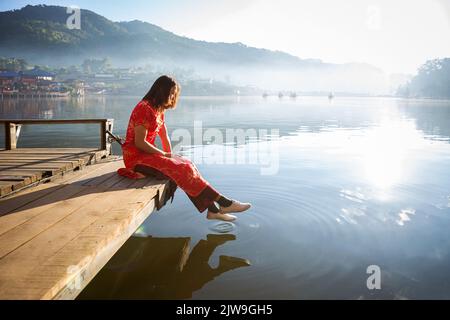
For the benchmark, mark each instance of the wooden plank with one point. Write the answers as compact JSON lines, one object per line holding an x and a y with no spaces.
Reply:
{"x":44,"y":171}
{"x":18,"y":161}
{"x":5,"y":187}
{"x":44,"y":165}
{"x":34,"y":175}
{"x":81,"y":159}
{"x":52,"y":167}
{"x":71,"y":284}
{"x":71,"y":163}
{"x":13,"y":178}
{"x":76,"y":225}
{"x":6,"y":155}
{"x":77,"y":205}
{"x":54,"y":197}
{"x":40,"y":218}
{"x":32,"y":157}
{"x":67,"y":272}
{"x":49,"y":165}
{"x":31,"y":161}
{"x":88,"y":155}
{"x":17,"y":201}
{"x":45,"y":245}
{"x":20,"y":184}
{"x":36,"y":168}
{"x":16,"y":183}
{"x":52,"y":150}
{"x":75,"y":161}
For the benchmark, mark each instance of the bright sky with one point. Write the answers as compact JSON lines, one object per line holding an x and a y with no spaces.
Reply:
{"x":395,"y":35}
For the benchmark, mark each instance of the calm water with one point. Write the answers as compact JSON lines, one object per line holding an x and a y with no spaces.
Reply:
{"x":335,"y":187}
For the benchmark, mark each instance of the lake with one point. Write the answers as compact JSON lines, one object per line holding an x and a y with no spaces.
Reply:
{"x":342,"y":191}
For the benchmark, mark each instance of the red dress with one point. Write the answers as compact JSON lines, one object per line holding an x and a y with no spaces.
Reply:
{"x":181,"y":170}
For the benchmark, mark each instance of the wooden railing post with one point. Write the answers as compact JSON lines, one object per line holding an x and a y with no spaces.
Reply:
{"x":106,"y":125}
{"x":103,"y":138}
{"x":10,"y":136}
{"x":109,"y":127}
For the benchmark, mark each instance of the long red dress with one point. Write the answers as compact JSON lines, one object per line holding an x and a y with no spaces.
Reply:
{"x":181,"y":170}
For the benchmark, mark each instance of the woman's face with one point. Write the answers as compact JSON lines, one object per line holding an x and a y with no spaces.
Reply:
{"x":171,"y":100}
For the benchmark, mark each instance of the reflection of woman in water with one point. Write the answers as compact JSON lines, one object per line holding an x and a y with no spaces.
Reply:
{"x":161,"y":268}
{"x":142,"y":156}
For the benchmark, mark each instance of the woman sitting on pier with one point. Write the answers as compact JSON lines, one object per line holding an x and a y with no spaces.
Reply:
{"x":142,"y":156}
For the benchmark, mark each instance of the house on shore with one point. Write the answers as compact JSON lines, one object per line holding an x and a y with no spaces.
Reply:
{"x":36,"y":78}
{"x":8,"y":80}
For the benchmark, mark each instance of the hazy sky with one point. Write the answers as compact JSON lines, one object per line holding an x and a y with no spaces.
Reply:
{"x":396,"y":35}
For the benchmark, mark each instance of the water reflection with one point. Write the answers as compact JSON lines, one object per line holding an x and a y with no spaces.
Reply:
{"x":161,"y":268}
{"x":362,"y":181}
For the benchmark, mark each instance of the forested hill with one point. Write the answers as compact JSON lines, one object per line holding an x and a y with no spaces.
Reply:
{"x":40,"y":34}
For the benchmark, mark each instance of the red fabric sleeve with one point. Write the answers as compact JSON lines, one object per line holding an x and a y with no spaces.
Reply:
{"x":143,"y":115}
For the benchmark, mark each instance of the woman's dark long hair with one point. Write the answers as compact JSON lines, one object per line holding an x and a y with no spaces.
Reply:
{"x":159,"y":94}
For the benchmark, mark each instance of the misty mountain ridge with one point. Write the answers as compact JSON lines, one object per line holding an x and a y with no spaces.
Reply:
{"x":40,"y":34}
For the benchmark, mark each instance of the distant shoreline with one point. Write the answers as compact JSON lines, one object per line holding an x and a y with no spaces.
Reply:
{"x":269,"y":97}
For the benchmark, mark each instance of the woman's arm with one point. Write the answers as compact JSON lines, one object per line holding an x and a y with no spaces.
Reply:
{"x":165,"y":141}
{"x":140,"y":132}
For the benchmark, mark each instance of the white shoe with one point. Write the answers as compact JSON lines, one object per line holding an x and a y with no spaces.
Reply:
{"x":220,"y":216}
{"x":235,"y":206}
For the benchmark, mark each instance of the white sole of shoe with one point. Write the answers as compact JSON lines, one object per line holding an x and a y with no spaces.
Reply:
{"x":220,"y":216}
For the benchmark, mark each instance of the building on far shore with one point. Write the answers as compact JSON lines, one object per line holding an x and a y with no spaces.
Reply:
{"x":33,"y":82}
{"x":35,"y":77}
{"x":77,"y":87}
{"x":8,"y":81}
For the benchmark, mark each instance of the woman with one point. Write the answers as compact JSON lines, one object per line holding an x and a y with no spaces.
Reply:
{"x":141,"y":155}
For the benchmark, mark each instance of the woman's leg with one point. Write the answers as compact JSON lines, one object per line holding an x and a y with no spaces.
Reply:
{"x":228,"y":205}
{"x":206,"y":200}
{"x":223,"y":201}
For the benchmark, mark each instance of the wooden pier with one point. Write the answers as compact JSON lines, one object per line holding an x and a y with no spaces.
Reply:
{"x":56,"y":236}
{"x":22,"y":168}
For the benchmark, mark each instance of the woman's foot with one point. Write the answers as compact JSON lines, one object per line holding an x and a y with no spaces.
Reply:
{"x":235,"y":206}
{"x":220,"y":216}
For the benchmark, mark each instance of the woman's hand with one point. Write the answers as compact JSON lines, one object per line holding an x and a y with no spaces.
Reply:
{"x":167,"y":154}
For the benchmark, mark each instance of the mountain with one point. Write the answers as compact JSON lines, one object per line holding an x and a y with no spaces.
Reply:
{"x":40,"y":34}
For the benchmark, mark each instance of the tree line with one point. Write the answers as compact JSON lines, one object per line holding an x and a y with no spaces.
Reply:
{"x":432,"y":81}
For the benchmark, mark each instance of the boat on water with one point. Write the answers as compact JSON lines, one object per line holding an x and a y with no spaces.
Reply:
{"x":280,"y":95}
{"x":330,"y":96}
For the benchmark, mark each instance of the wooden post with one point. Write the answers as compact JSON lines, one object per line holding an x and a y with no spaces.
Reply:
{"x":103,"y":135}
{"x":18,"y":128}
{"x":109,"y":127}
{"x":10,"y":136}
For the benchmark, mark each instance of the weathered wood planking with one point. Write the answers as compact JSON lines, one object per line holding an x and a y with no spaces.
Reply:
{"x":22,"y":167}
{"x":55,"y":237}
